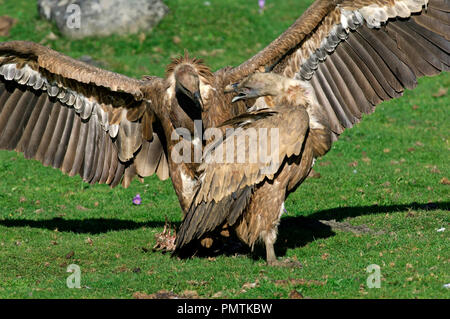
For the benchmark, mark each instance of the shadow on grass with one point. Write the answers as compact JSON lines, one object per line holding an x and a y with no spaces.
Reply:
{"x":81,"y":226}
{"x":293,"y":232}
{"x":344,"y":212}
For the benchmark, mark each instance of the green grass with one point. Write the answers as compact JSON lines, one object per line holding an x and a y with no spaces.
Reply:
{"x":46,"y":215}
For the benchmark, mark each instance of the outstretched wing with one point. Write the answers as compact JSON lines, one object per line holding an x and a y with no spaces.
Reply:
{"x":76,"y":117}
{"x":359,"y":53}
{"x":256,"y":150}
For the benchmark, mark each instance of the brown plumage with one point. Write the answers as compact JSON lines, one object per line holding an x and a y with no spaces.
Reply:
{"x":348,"y":57}
{"x":248,"y":194}
{"x":344,"y":57}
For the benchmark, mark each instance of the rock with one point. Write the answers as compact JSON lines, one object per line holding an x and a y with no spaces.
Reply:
{"x":84,"y":18}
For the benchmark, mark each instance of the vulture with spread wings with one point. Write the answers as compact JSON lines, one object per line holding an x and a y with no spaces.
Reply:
{"x":334,"y":64}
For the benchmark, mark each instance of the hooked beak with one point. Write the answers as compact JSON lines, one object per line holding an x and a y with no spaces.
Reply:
{"x":198,"y":100}
{"x":244,"y":94}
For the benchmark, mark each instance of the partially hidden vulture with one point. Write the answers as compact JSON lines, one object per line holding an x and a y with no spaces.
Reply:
{"x":337,"y":61}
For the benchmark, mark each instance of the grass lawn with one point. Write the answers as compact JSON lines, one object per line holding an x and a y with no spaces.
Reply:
{"x":382,"y":194}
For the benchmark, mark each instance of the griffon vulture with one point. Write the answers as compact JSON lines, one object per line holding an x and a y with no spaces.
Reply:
{"x":348,"y":56}
{"x":341,"y":59}
{"x":106,"y":127}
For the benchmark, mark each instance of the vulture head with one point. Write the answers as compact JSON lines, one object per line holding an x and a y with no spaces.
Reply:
{"x":187,"y":85}
{"x":257,"y":85}
{"x":187,"y":78}
{"x":276,"y":90}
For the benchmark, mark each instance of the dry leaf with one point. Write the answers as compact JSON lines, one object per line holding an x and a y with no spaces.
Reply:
{"x":250,"y":285}
{"x":6,"y":23}
{"x":353,"y":164}
{"x":190,"y":294}
{"x":314,"y":174}
{"x":324,"y":163}
{"x":218,"y":294}
{"x":441,"y":92}
{"x":294,"y":294}
{"x":445,"y":181}
{"x":70,"y":255}
{"x":176,"y":39}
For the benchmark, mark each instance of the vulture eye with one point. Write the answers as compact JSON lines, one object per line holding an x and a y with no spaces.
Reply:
{"x":244,"y":91}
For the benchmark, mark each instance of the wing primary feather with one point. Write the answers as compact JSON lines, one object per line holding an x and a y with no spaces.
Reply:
{"x":376,"y":65}
{"x":24,"y":120}
{"x":352,"y":83}
{"x":89,"y":149}
{"x":423,"y":60}
{"x":113,"y":165}
{"x":79,"y":151}
{"x":44,"y":142}
{"x":97,"y":151}
{"x":64,"y":140}
{"x":70,"y":154}
{"x":434,"y":25}
{"x":55,"y":138}
{"x":8,"y":109}
{"x":331,"y":97}
{"x":401,"y":71}
{"x":366,"y":72}
{"x":39,"y":129}
{"x":106,"y":159}
{"x":434,"y":38}
{"x":442,"y":5}
{"x":386,"y":39}
{"x":425,"y":47}
{"x":12,"y":116}
{"x":335,"y":124}
{"x":6,"y":90}
{"x":441,"y":16}
{"x":101,"y":149}
{"x":349,"y":105}
{"x":24,"y":141}
{"x":118,"y":174}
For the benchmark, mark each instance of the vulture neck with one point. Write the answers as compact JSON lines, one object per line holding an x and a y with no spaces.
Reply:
{"x":292,"y":95}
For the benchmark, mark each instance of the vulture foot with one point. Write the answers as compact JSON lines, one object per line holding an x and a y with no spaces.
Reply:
{"x":165,"y":241}
{"x":285,"y":262}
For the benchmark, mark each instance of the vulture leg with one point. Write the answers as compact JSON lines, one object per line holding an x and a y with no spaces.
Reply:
{"x":260,"y":221}
{"x":269,"y":238}
{"x":270,"y":250}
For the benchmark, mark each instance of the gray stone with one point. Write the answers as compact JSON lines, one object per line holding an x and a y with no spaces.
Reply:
{"x":84,"y":18}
